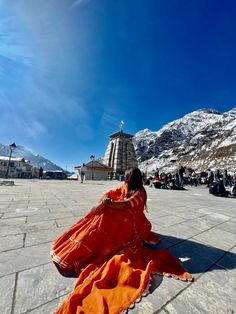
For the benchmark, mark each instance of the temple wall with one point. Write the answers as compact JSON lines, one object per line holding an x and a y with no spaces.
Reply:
{"x":120,"y":153}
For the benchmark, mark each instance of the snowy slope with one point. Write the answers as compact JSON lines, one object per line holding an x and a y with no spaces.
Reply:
{"x":201,"y":139}
{"x":35,"y":160}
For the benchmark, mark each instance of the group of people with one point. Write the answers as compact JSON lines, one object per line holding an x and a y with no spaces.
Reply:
{"x":188,"y":176}
{"x":109,"y":251}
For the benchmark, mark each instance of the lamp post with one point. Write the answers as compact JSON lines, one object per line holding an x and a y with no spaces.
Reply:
{"x":92,"y":157}
{"x":12,"y":147}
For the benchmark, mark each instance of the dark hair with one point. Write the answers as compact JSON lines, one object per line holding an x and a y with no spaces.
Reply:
{"x":135,"y":180}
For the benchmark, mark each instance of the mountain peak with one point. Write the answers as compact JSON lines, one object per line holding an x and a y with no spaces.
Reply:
{"x":201,"y":139}
{"x":35,"y":160}
{"x":208,"y":110}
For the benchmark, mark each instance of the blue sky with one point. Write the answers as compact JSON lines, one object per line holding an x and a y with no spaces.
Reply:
{"x":71,"y":70}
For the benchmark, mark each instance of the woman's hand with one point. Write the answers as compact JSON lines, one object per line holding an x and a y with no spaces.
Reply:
{"x":97,"y":208}
{"x":106,"y":200}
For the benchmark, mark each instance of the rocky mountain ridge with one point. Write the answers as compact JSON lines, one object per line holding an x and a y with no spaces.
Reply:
{"x":35,"y":160}
{"x":202,"y":139}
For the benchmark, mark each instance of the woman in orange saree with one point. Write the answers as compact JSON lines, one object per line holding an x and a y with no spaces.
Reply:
{"x":106,"y":251}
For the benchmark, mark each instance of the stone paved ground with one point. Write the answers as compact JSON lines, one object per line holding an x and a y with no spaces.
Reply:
{"x":197,"y":227}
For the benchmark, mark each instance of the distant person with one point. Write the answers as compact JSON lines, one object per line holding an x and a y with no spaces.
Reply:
{"x":181,"y":176}
{"x":210,"y":177}
{"x":225,"y":177}
{"x":40,"y":173}
{"x":218,"y":175}
{"x":194,"y":180}
{"x":83,"y":170}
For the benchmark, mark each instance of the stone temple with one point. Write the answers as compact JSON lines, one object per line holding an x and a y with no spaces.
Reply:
{"x":120,"y":153}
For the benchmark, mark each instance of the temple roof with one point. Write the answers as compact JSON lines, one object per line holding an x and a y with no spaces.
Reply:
{"x":121,"y":134}
{"x":96,"y":165}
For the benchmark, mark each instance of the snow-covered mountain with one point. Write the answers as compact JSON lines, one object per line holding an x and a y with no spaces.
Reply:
{"x":202,"y":139}
{"x":35,"y":160}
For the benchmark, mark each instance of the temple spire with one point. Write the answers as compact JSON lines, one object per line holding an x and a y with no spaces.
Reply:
{"x":121,"y":125}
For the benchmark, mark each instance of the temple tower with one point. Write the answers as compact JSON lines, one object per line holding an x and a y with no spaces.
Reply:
{"x":120,"y":154}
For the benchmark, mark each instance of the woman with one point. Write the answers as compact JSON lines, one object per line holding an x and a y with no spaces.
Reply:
{"x":106,"y":250}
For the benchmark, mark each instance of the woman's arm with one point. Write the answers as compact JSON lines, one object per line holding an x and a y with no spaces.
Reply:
{"x":135,"y":200}
{"x":118,"y":204}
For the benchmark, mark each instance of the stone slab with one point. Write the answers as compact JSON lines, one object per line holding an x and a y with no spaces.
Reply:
{"x":41,"y":225}
{"x":168,"y":288}
{"x":214,"y":292}
{"x":49,"y":307}
{"x":179,"y":232}
{"x":43,"y":216}
{"x":61,"y":222}
{"x":12,"y":221}
{"x":11,"y":242}
{"x":167,"y":221}
{"x":7,"y":285}
{"x":43,"y":236}
{"x":196,"y":257}
{"x":202,"y":223}
{"x":229,"y":226}
{"x":218,"y":217}
{"x":21,"y":259}
{"x":228,"y":262}
{"x":221,"y":239}
{"x":40,"y":285}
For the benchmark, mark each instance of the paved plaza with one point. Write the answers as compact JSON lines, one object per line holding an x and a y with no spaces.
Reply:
{"x":196,"y":227}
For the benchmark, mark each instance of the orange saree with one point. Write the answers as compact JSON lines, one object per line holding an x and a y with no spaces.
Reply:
{"x":105,"y":251}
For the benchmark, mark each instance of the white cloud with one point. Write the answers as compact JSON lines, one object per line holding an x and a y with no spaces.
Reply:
{"x":108,"y":118}
{"x":35,"y":129}
{"x":79,"y":2}
{"x":13,"y":46}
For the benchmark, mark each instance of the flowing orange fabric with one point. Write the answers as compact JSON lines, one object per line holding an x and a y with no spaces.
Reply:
{"x":105,"y":249}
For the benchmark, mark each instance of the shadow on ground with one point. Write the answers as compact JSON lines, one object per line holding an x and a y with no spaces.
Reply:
{"x":197,"y":257}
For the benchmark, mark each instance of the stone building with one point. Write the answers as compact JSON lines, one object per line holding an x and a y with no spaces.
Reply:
{"x":120,"y":153}
{"x":18,"y":168}
{"x":95,"y":170}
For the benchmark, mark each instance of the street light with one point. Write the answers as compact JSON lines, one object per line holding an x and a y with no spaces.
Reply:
{"x":92,"y":157}
{"x":12,"y":147}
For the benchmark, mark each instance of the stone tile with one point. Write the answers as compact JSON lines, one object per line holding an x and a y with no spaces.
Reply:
{"x":218,"y":217}
{"x":66,"y":221}
{"x":188,"y":214}
{"x":196,"y":257}
{"x":12,"y":221}
{"x":10,"y":230}
{"x":220,"y":239}
{"x":178,"y":232}
{"x":168,"y":288}
{"x":49,"y":216}
{"x":42,"y":236}
{"x":49,"y":307}
{"x":13,"y":214}
{"x":201,"y":223}
{"x":228,"y":262}
{"x":61,"y":210}
{"x":168,"y":221}
{"x":40,"y":285}
{"x":229,"y":226}
{"x":78,"y":213}
{"x":42,"y":225}
{"x":204,"y":211}
{"x":7,"y":285}
{"x":24,"y":258}
{"x":212,"y":293}
{"x":11,"y":242}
